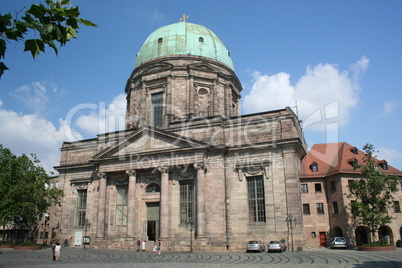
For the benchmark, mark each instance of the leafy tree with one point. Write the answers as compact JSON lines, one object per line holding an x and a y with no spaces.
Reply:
{"x":24,"y":190}
{"x":373,"y":193}
{"x":54,"y":22}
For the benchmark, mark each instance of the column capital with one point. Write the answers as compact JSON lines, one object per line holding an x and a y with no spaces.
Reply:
{"x":164,"y":169}
{"x":200,"y":165}
{"x":131,"y":172}
{"x":102,"y":175}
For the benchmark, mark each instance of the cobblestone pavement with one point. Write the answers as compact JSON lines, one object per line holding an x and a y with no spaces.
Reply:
{"x":78,"y":257}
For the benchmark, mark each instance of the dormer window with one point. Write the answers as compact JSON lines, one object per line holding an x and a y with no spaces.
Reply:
{"x":201,"y":40}
{"x":354,"y":151}
{"x":353,"y":162}
{"x":383,"y":164}
{"x":160,"y":41}
{"x":314,"y":167}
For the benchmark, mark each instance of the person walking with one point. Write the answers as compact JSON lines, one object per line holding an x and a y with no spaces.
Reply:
{"x":53,"y":248}
{"x":138,"y":245}
{"x":158,"y":248}
{"x":57,"y":249}
{"x":143,"y":245}
{"x":155,"y":250}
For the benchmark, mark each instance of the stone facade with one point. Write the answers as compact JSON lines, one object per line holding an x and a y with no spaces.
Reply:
{"x":143,"y":156}
{"x":188,"y":170}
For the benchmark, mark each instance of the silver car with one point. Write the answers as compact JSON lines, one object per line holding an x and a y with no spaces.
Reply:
{"x":277,"y":246}
{"x":255,"y":245}
{"x":339,"y":242}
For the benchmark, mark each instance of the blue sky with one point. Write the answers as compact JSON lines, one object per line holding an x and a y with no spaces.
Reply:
{"x":341,"y":61}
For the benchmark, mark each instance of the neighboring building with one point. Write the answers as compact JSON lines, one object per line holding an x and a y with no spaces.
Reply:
{"x":46,"y":230}
{"x":324,"y":176}
{"x":188,"y":170}
{"x":48,"y":227}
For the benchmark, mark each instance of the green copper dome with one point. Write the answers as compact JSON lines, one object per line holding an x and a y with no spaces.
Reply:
{"x":184,"y":38}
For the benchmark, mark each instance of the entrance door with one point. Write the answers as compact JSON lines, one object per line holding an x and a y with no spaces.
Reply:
{"x":323,"y":239}
{"x":361,"y":236}
{"x":152,"y":221}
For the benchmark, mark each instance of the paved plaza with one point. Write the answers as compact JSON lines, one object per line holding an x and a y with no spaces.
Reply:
{"x":78,"y":257}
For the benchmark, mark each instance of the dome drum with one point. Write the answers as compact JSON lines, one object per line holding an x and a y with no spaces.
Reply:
{"x":179,"y":81}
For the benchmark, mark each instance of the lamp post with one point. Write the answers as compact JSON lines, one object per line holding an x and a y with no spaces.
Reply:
{"x":45,"y":237}
{"x":86,"y":226}
{"x":190,"y":227}
{"x":292,"y":222}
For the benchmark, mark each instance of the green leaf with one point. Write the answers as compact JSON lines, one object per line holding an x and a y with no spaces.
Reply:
{"x":3,"y":47}
{"x":5,"y":22}
{"x":73,"y":12}
{"x":49,"y":27}
{"x":65,"y":2}
{"x":21,"y":26}
{"x":35,"y":46}
{"x":3,"y":68}
{"x":72,"y":22}
{"x":36,"y":10}
{"x":14,"y":34}
{"x":86,"y":22}
{"x":53,"y":45}
{"x":60,"y":34}
{"x":71,"y":33}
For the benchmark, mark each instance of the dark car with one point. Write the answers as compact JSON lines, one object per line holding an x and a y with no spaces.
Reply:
{"x":277,"y":245}
{"x":255,"y":245}
{"x":339,"y":242}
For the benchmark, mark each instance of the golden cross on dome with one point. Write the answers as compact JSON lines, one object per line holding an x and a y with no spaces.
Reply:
{"x":184,"y":18}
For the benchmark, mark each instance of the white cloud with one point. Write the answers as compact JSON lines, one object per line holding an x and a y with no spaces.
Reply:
{"x":38,"y":96}
{"x":30,"y":133}
{"x":393,"y":157}
{"x":102,"y":120}
{"x":324,"y":92}
{"x":157,"y":16}
{"x":33,"y":133}
{"x":359,"y":68}
{"x":388,"y":108}
{"x":269,"y":93}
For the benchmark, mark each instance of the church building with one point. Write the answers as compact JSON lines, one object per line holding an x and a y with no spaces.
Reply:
{"x":188,"y":170}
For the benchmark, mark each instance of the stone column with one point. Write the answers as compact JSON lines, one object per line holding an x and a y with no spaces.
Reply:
{"x":164,"y":204}
{"x":191,"y":96}
{"x":215,"y":102}
{"x":132,"y":177}
{"x":201,"y":216}
{"x":100,"y":232}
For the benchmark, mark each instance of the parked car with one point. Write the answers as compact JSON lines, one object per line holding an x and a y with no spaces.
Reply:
{"x":339,"y":242}
{"x":255,"y":245}
{"x":277,"y":245}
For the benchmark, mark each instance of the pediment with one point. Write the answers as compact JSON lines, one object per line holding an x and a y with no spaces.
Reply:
{"x":203,"y":67}
{"x":157,"y":68}
{"x":147,"y":140}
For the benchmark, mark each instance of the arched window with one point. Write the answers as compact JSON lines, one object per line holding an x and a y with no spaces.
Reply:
{"x":153,"y":188}
{"x":157,"y":109}
{"x":160,"y":41}
{"x":203,"y":101}
{"x":201,"y":40}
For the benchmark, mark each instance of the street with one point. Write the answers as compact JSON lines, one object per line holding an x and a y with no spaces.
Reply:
{"x":78,"y":257}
